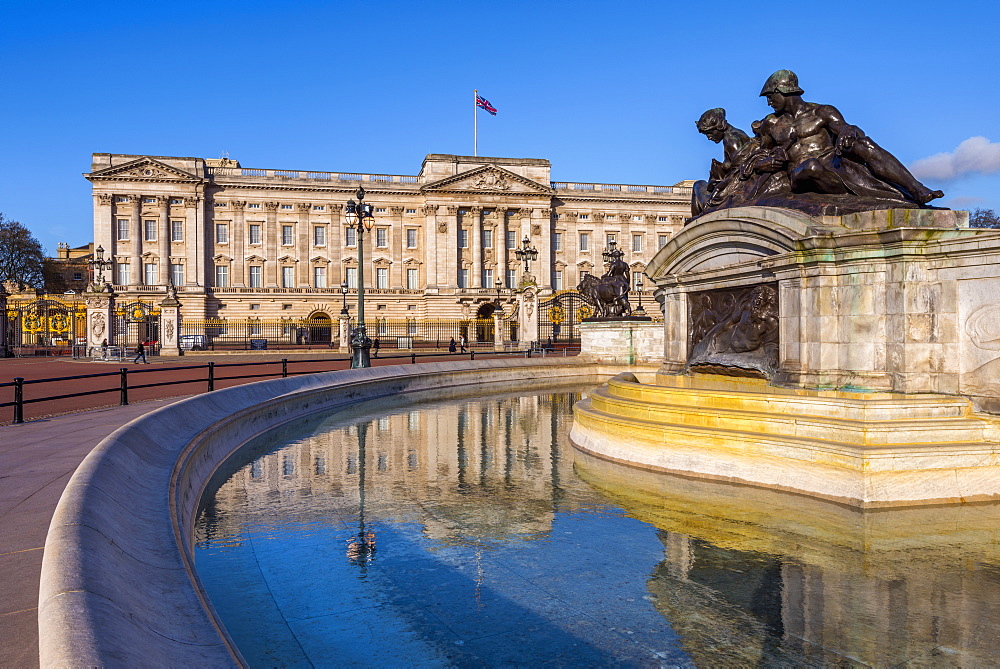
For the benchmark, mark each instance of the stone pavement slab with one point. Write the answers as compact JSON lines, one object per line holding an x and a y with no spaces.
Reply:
{"x":36,"y":462}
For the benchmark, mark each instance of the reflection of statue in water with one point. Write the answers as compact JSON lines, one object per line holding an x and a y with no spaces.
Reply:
{"x":609,"y":294}
{"x":805,"y":156}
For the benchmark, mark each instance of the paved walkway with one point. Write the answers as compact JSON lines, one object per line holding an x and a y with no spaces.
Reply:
{"x":36,"y":462}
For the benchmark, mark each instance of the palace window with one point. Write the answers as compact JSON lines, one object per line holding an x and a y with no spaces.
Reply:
{"x":256,"y":276}
{"x":463,"y":278}
{"x":222,"y":276}
{"x":221,"y":233}
{"x":122,"y":272}
{"x":583,"y":217}
{"x":487,"y":239}
{"x":286,"y":206}
{"x":176,"y":200}
{"x":557,"y":280}
{"x":463,"y":239}
{"x":557,"y":241}
{"x":512,"y":239}
{"x":352,"y":277}
{"x":380,"y":210}
{"x":319,"y":207}
{"x":637,"y":218}
{"x":487,"y":278}
{"x":123,"y":229}
{"x":149,"y":200}
{"x":121,"y":198}
{"x":149,"y":230}
{"x":661,"y":240}
{"x":611,"y":238}
{"x":177,"y":231}
{"x":412,"y":282}
{"x":351,"y":237}
{"x":255,"y":205}
{"x":149,"y":277}
{"x":319,"y":235}
{"x":220,"y":205}
{"x":611,"y":217}
{"x":512,"y":278}
{"x":382,"y":277}
{"x":287,"y":235}
{"x":411,"y":238}
{"x":661,"y":219}
{"x":636,"y":243}
{"x":319,"y":277}
{"x":177,"y":274}
{"x":255,"y":233}
{"x":287,"y":277}
{"x":636,"y":280}
{"x":381,"y":237}
{"x":411,"y":211}
{"x":584,"y":241}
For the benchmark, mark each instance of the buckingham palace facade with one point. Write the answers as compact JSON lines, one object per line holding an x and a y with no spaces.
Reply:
{"x":239,"y":242}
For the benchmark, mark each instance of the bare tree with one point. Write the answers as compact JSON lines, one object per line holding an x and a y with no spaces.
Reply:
{"x":21,"y":256}
{"x":984,"y":218}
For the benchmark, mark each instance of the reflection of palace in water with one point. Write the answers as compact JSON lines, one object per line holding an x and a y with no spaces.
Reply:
{"x":754,"y":576}
{"x":446,"y":462}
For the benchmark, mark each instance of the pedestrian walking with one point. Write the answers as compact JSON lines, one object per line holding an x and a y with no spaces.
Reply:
{"x":140,"y":352}
{"x":375,"y":346}
{"x":104,"y":350}
{"x":461,"y":342}
{"x":452,"y":347}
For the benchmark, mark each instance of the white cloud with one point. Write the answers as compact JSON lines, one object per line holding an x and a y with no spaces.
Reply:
{"x":974,"y":155}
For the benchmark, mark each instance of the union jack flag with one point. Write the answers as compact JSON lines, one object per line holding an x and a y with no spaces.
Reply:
{"x":483,"y":103}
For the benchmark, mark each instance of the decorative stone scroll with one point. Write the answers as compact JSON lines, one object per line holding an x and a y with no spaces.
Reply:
{"x":734,"y":331}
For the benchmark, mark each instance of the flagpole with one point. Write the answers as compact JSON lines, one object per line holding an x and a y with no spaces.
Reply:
{"x":475,"y":122}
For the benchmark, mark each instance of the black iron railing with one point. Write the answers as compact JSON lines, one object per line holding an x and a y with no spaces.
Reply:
{"x":127,"y":380}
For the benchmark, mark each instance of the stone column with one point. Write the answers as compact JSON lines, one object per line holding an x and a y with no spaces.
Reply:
{"x":194,"y":242}
{"x":675,"y":316}
{"x":397,"y":234}
{"x":448,"y":275}
{"x":163,"y":237}
{"x":345,"y":333}
{"x":335,"y":242}
{"x":170,"y":324}
{"x":432,"y":262}
{"x":477,"y":247}
{"x":135,"y":259}
{"x":237,"y":242}
{"x":271,"y":233}
{"x":100,"y":312}
{"x":500,"y":244}
{"x":105,"y":226}
{"x":302,"y":246}
{"x":527,"y":311}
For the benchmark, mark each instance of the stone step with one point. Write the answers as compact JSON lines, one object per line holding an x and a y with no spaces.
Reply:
{"x":778,"y":420}
{"x":754,"y":395}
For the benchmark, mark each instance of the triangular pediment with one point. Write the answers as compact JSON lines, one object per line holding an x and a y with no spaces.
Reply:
{"x":488,"y":179}
{"x":254,"y":258}
{"x":142,"y":169}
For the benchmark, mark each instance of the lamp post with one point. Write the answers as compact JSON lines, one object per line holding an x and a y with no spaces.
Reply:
{"x":498,"y":284}
{"x":526,"y":253}
{"x":638,"y":286}
{"x":360,"y":217}
{"x":612,"y":253}
{"x":98,"y":265}
{"x":343,"y":290}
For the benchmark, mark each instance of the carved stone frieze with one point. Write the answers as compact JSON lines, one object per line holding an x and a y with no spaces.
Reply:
{"x":442,"y":226}
{"x":536,"y":230}
{"x":105,"y":199}
{"x":191,"y":201}
{"x":734,"y":330}
{"x":238,"y":205}
{"x":304,"y":207}
{"x":491,"y":180}
{"x":598,"y":216}
{"x":271,"y":206}
{"x":396,"y":211}
{"x":429,"y":209}
{"x":452,"y":210}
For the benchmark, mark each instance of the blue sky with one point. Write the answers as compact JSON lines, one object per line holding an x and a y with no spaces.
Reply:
{"x":608,"y":92}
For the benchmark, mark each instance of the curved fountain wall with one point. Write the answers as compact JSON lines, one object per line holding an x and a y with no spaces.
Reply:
{"x":118,"y":586}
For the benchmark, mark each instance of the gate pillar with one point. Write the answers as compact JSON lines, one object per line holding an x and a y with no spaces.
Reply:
{"x":499,"y":336}
{"x":4,"y":331}
{"x":527,"y":306}
{"x":345,"y":334}
{"x":170,"y":324}
{"x":100,"y":312}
